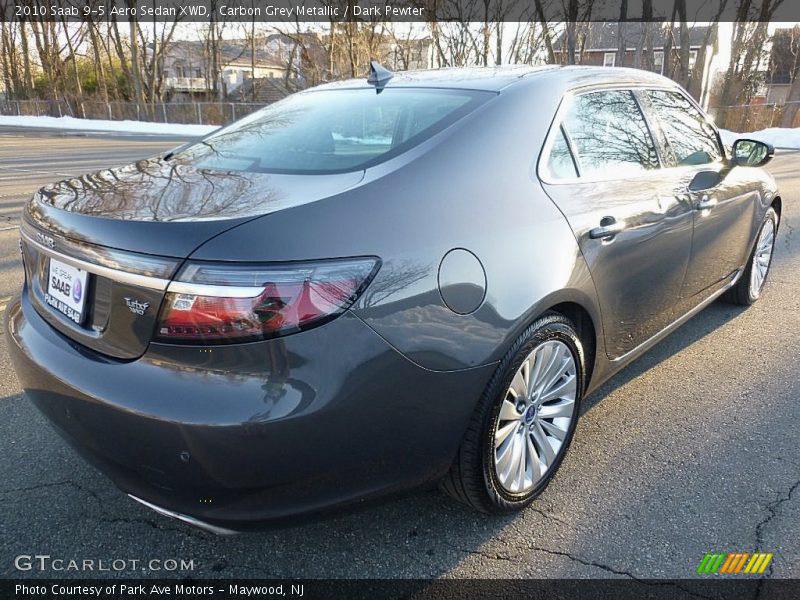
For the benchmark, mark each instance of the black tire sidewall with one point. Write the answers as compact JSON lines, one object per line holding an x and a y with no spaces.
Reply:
{"x":554,"y":328}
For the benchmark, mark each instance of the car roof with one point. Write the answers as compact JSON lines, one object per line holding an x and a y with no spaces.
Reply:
{"x":497,"y":78}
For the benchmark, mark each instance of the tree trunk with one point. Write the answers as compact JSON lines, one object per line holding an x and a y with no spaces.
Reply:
{"x":684,"y":51}
{"x":668,"y":63}
{"x":27,"y":72}
{"x":253,"y":60}
{"x":622,"y":44}
{"x":498,"y":58}
{"x":548,"y":41}
{"x":121,"y":55}
{"x":99,"y":71}
{"x":73,"y":58}
{"x":730,"y":82}
{"x":7,"y":51}
{"x":136,"y":74}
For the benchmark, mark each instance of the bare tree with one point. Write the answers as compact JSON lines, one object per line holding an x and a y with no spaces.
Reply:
{"x":710,"y":43}
{"x":743,"y":78}
{"x":792,"y":105}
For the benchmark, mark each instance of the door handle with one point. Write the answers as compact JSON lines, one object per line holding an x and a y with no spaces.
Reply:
{"x":706,"y":203}
{"x":609,"y":228}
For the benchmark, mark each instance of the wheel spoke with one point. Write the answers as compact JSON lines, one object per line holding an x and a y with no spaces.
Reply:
{"x":556,"y":432}
{"x":543,"y":445}
{"x":567,"y":387}
{"x":518,"y":385}
{"x":537,"y":367}
{"x":552,"y":369}
{"x":526,"y":374}
{"x":503,"y":455}
{"x":767,"y":240}
{"x":563,"y":408}
{"x":533,"y":459}
{"x":508,"y":411}
{"x":516,"y":456}
{"x":501,"y":434}
{"x":522,"y":466}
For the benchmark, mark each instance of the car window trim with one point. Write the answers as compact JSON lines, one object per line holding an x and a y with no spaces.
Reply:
{"x":666,"y":154}
{"x":571,"y":149}
{"x":543,"y":172}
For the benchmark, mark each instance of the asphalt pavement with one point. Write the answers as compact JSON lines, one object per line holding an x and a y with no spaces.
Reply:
{"x":694,"y":448}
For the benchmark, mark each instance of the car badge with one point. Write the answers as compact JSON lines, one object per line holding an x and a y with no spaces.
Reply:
{"x":45,"y":240}
{"x":136,"y":306}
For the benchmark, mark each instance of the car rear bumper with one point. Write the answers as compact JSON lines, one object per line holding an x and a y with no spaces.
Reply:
{"x":238,"y":435}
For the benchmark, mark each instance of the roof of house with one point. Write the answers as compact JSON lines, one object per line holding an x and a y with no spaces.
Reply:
{"x":231,"y":51}
{"x":267,"y":90}
{"x":605,"y":36}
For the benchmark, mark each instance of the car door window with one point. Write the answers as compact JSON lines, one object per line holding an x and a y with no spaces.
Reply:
{"x":691,"y":139}
{"x":609,"y":134}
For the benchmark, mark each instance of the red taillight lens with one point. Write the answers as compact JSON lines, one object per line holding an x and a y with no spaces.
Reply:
{"x":233,"y":303}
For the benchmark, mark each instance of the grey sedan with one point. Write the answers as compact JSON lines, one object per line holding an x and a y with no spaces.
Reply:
{"x":380,"y":284}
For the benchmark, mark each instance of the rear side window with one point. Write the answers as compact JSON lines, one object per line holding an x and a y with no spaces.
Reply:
{"x":560,"y":163}
{"x":332,"y":131}
{"x":609,"y":134}
{"x":691,"y":139}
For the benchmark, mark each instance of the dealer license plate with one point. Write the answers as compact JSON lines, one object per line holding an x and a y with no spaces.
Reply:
{"x":66,"y":290}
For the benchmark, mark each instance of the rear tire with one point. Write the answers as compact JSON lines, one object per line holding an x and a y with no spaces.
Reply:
{"x":524,"y":421}
{"x":751,"y":284}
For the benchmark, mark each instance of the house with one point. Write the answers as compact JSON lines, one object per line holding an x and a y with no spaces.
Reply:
{"x":598,"y":45}
{"x":410,"y":54}
{"x":187,"y":67}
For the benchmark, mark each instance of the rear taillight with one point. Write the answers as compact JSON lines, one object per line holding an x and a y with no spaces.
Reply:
{"x":218,"y":303}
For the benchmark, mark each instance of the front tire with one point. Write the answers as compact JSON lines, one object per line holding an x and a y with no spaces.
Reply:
{"x":524,"y":422}
{"x":750,"y":285}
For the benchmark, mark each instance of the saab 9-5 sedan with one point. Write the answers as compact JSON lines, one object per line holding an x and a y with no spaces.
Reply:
{"x":377,"y":285}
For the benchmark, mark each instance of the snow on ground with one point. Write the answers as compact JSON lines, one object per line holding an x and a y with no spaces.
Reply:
{"x":777,"y":136}
{"x":137,"y":127}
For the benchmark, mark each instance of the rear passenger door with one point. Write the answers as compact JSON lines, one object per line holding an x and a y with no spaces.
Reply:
{"x":724,"y":209}
{"x":601,"y":167}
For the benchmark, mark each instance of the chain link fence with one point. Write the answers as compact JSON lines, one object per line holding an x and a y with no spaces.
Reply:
{"x":193,"y":113}
{"x":752,"y":117}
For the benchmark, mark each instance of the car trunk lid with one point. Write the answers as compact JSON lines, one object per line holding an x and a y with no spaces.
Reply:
{"x":100,"y":250}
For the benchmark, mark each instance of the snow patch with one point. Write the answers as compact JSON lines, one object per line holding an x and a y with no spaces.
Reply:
{"x":138,"y":127}
{"x":779,"y":137}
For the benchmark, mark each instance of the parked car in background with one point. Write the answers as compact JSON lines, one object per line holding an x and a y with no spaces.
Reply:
{"x":382,"y":284}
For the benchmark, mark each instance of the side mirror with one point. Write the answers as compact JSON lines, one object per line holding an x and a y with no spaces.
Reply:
{"x":751,"y":153}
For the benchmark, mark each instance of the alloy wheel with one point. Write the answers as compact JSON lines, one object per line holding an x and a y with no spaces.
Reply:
{"x":762,"y":257}
{"x":535,"y":417}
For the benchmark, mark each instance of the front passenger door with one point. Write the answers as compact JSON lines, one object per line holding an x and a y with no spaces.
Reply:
{"x":724,"y":212}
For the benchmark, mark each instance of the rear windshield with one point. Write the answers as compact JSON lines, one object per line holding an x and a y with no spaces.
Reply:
{"x":332,"y":131}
